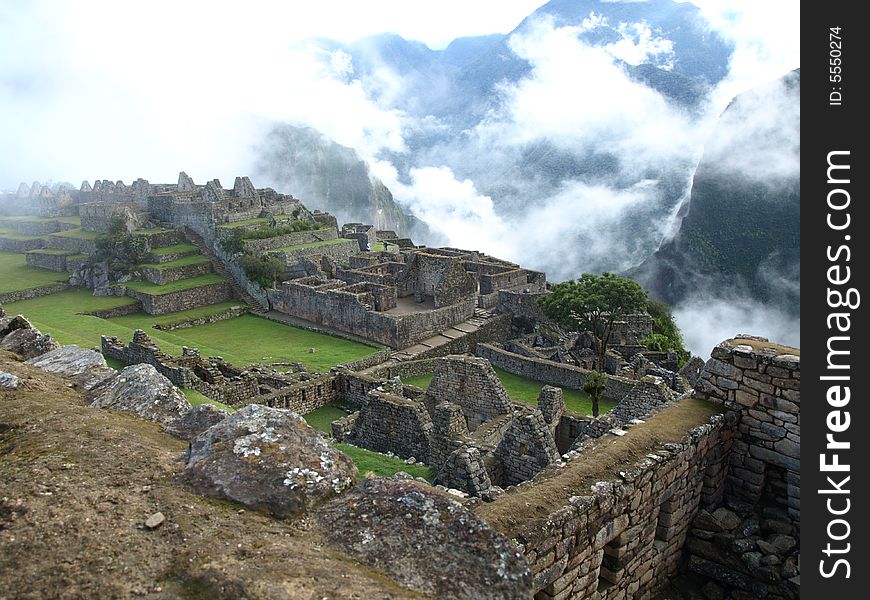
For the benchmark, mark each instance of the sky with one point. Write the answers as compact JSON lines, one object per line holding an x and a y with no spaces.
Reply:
{"x":99,"y":88}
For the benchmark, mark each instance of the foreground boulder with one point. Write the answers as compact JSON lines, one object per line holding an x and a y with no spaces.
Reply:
{"x":269,"y":459}
{"x":143,"y":391}
{"x":425,"y":541}
{"x":196,"y":420}
{"x":85,"y":367}
{"x":19,"y":336}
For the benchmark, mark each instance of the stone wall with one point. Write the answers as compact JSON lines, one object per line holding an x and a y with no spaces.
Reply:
{"x":760,"y":382}
{"x":290,"y":239}
{"x":72,"y":244}
{"x":527,"y":447}
{"x":230,"y":313}
{"x":627,"y":535}
{"x":35,"y":227}
{"x":392,"y":423}
{"x":325,"y":302}
{"x":51,"y":261}
{"x":160,"y":238}
{"x":164,"y":276}
{"x":19,"y":246}
{"x":472,"y":384}
{"x":547,"y":371}
{"x":9,"y":297}
{"x":161,"y":304}
{"x":520,"y":305}
{"x":339,"y":251}
{"x":301,"y":397}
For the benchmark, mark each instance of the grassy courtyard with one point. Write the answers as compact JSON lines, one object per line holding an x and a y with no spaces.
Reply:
{"x":15,"y":275}
{"x":242,"y":341}
{"x":522,"y":389}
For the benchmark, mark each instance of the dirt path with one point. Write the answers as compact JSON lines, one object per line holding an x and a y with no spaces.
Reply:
{"x":76,"y":486}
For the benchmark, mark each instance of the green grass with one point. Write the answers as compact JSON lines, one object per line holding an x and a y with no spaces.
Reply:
{"x":195,"y":399}
{"x":118,"y":365}
{"x":242,"y":341}
{"x":138,"y":319}
{"x":174,"y":249}
{"x":151,"y":289}
{"x":181,"y":262}
{"x":28,"y":219}
{"x":78,"y":234}
{"x":322,"y":418}
{"x":16,"y":275}
{"x":526,"y":390}
{"x":152,"y":231}
{"x":51,"y":251}
{"x":365,"y":460}
{"x":257,"y":221}
{"x":316,"y":244}
{"x":11,"y":234}
{"x":383,"y":465}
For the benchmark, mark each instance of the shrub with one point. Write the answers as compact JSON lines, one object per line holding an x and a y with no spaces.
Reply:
{"x":264,"y":270}
{"x":121,"y":250}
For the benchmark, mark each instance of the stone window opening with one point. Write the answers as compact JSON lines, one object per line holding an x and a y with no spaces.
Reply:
{"x":611,"y":570}
{"x":663,"y":525}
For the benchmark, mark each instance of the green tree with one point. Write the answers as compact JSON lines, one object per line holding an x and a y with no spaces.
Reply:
{"x":666,"y":335}
{"x":596,"y":383}
{"x":593,"y":303}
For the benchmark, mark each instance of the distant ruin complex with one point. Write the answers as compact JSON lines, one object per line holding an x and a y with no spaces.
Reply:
{"x":722,"y":502}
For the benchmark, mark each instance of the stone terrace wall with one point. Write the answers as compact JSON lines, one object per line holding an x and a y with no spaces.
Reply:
{"x":36,"y":227}
{"x":627,"y":534}
{"x":283,"y":241}
{"x":548,"y":371}
{"x":164,"y":276}
{"x":763,"y":387}
{"x":339,"y":251}
{"x":10,"y":245}
{"x":78,"y":245}
{"x":10,"y":297}
{"x":46,"y":260}
{"x":161,"y":304}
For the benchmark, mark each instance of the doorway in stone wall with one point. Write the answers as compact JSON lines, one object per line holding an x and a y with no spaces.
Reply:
{"x":774,"y":495}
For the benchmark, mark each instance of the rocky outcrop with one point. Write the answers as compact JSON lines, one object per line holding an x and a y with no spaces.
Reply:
{"x":141,"y":390}
{"x":268,"y":459}
{"x":86,"y":368}
{"x":196,"y":420}
{"x":28,"y":342}
{"x":425,"y":541}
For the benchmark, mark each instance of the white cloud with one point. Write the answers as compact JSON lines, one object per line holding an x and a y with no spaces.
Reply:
{"x":706,"y":321}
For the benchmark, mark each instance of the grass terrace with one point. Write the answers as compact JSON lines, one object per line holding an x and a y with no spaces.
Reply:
{"x":16,"y":275}
{"x":251,"y":222}
{"x":195,"y":399}
{"x":242,"y":341}
{"x":174,"y":249}
{"x":78,"y":234}
{"x":151,"y":231}
{"x":52,"y":251}
{"x":316,"y":244}
{"x":11,"y":234}
{"x":176,"y":286}
{"x":181,"y":262}
{"x":522,"y":389}
{"x":32,"y":219}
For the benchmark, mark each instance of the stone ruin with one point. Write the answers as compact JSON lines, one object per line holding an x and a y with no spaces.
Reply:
{"x":220,"y":380}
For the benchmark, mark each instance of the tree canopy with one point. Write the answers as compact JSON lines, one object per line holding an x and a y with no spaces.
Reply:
{"x":594,"y":303}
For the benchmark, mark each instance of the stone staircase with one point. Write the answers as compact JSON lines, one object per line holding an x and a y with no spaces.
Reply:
{"x":239,"y":291}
